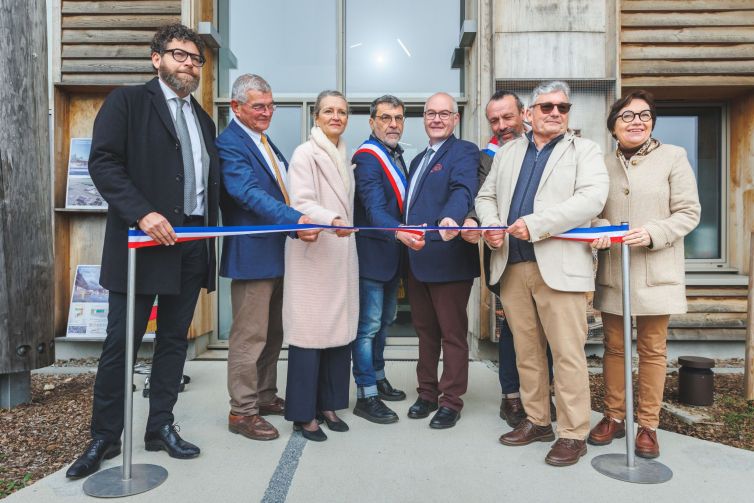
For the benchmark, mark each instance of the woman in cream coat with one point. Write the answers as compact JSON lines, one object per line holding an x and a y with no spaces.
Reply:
{"x":653,"y":188}
{"x":321,"y":285}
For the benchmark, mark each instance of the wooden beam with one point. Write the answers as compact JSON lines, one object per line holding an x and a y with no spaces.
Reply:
{"x":684,"y":5}
{"x":685,"y":51}
{"x":119,"y":21}
{"x":107,"y":36}
{"x":669,"y":67}
{"x":142,"y":65}
{"x":689,"y":35}
{"x":123,"y":7}
{"x":726,"y":18}
{"x":106,"y":51}
{"x":99,"y":79}
{"x":749,"y":363}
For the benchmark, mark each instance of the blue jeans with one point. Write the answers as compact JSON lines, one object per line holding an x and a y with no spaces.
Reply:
{"x":378,"y":302}
{"x":507,"y":371}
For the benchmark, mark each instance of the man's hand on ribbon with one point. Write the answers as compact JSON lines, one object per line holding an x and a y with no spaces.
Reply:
{"x":448,"y":235}
{"x":341,"y":233}
{"x":494,"y":238}
{"x":471,"y":236}
{"x":310,"y":235}
{"x":413,"y":239}
{"x":158,"y":228}
{"x":519,"y":230}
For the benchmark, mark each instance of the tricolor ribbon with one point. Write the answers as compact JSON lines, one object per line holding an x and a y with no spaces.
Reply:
{"x":138,"y":239}
{"x":393,"y":173}
{"x":492,"y":147}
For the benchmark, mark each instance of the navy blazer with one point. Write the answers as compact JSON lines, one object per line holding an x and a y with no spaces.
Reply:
{"x":250,"y":195}
{"x":447,"y":188}
{"x":376,"y":205}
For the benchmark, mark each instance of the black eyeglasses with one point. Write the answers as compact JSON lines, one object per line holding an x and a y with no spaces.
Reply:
{"x":644,"y":116}
{"x":443,"y":114}
{"x":546,"y":108}
{"x":180,"y":56}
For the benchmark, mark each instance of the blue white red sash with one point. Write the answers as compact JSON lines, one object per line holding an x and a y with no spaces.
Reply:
{"x":492,"y":147}
{"x":137,"y":239}
{"x":393,"y":173}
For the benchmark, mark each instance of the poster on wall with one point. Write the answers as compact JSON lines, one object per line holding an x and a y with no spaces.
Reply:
{"x":80,"y":191}
{"x":87,"y":316}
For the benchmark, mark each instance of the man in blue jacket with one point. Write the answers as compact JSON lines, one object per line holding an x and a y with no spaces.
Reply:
{"x":254,"y":192}
{"x":441,"y":190}
{"x":381,"y":182}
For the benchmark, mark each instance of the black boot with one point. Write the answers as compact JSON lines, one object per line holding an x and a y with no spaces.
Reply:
{"x":387,"y":392}
{"x":372,"y":409}
{"x":89,"y":461}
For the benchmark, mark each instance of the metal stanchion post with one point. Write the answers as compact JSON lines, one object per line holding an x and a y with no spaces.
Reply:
{"x":128,"y":479}
{"x":627,"y":467}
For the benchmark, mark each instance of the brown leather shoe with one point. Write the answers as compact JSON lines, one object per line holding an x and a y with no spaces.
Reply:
{"x":527,"y":432}
{"x":254,"y":427}
{"x":512,"y":410}
{"x":606,"y":430}
{"x":566,"y":452}
{"x":275,"y":408}
{"x":646,"y":443}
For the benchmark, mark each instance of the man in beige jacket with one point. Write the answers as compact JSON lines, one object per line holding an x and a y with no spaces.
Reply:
{"x":541,"y":185}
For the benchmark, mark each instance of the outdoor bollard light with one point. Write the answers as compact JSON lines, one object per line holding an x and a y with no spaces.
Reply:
{"x":696,"y":382}
{"x":627,"y":467}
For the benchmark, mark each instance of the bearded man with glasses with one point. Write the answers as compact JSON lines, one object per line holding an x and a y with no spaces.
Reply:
{"x":153,"y":159}
{"x":541,"y":185}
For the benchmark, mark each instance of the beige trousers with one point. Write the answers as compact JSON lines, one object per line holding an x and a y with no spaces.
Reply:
{"x":255,"y":340}
{"x":651,"y":344}
{"x":539,"y":315}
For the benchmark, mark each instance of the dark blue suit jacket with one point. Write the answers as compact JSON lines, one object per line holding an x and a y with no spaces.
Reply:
{"x":250,"y":195}
{"x":376,"y":205}
{"x":446,"y":189}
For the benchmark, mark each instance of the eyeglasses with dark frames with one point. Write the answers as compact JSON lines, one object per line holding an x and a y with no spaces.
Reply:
{"x":629,"y":116}
{"x":180,"y":56}
{"x":443,"y":114}
{"x":387,"y":118}
{"x":548,"y":107}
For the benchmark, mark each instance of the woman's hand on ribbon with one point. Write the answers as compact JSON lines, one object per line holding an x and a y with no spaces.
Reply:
{"x":601,"y":243}
{"x":158,"y":228}
{"x":448,"y":235}
{"x":638,"y":236}
{"x":414,"y":239}
{"x":310,"y":235}
{"x":471,"y":236}
{"x":341,"y":233}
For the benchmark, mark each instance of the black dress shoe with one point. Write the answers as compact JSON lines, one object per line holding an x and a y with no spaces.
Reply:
{"x":315,"y":436}
{"x":339,"y":425}
{"x":372,"y":409}
{"x":387,"y":392}
{"x":421,"y":409}
{"x":444,"y":418}
{"x":89,"y":461}
{"x":166,"y":439}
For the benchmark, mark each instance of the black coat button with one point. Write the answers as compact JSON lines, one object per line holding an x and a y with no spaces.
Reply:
{"x":177,"y":210}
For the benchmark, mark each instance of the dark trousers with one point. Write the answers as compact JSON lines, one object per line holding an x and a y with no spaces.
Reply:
{"x":318,"y":379}
{"x":507,"y":371}
{"x":174,"y":314}
{"x":438,"y":311}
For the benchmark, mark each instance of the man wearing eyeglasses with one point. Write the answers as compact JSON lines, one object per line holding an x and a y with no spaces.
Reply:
{"x":153,"y":159}
{"x":254,"y":192}
{"x":441,"y":187}
{"x":541,"y":185}
{"x":381,"y":181}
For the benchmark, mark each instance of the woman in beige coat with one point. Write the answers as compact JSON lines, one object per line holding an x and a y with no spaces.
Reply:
{"x":653,"y":188}
{"x":321,"y":285}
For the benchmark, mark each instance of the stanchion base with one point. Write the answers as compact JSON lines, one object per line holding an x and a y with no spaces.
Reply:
{"x":110,"y":484}
{"x":644,"y":471}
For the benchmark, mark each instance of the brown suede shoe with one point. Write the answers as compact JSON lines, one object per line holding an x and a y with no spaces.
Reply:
{"x":275,"y":408}
{"x":646,"y":443}
{"x":566,"y":452}
{"x":527,"y":432}
{"x":254,"y":427}
{"x":606,"y":430}
{"x":512,"y":410}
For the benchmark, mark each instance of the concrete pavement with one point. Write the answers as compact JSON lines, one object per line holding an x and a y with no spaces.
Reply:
{"x":405,"y":461}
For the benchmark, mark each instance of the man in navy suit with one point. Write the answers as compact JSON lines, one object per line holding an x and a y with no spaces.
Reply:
{"x":441,"y":189}
{"x":253,"y":173}
{"x":381,"y":183}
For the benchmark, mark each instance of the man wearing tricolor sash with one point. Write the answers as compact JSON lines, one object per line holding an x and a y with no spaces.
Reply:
{"x":541,"y":185}
{"x":381,"y":175}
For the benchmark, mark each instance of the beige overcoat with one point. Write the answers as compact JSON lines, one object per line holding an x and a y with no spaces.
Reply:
{"x":321,"y":285}
{"x":658,"y":192}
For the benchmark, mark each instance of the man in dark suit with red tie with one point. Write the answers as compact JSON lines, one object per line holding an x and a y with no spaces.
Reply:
{"x":441,"y":189}
{"x":153,"y":159}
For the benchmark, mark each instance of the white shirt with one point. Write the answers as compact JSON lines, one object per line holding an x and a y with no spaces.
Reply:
{"x":257,"y":139}
{"x":196,"y":142}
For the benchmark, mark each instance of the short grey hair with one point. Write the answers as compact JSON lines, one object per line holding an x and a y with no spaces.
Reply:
{"x":248,"y":82}
{"x":386,"y":99}
{"x":452,"y":99}
{"x":551,"y":86}
{"x":325,"y":94}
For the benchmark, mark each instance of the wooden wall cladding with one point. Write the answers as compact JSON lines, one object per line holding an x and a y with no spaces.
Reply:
{"x":108,"y":42}
{"x":687,"y":43}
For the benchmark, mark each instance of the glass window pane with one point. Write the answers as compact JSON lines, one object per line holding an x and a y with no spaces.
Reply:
{"x":291,"y":43}
{"x":400,"y":47}
{"x":681,"y":127}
